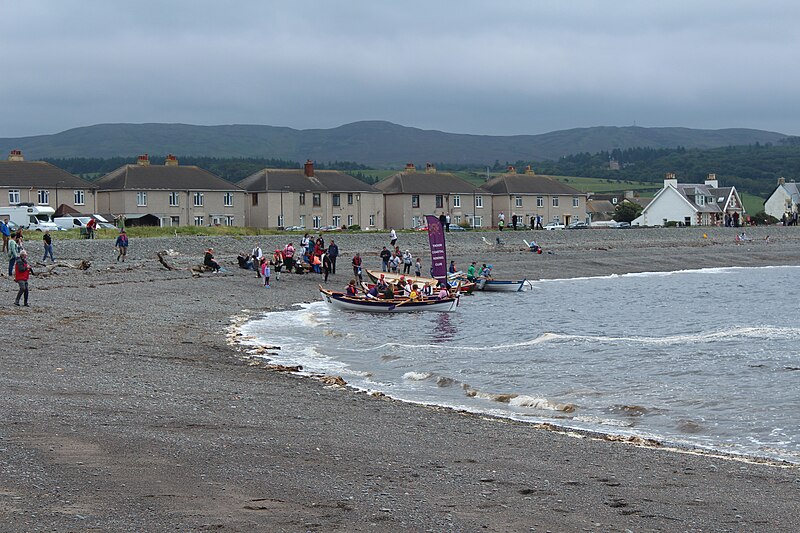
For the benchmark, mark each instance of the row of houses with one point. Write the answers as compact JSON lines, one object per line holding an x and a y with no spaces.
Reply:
{"x":171,"y":194}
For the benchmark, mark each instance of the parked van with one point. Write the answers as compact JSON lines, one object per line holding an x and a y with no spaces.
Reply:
{"x":70,"y":222}
{"x":29,"y":216}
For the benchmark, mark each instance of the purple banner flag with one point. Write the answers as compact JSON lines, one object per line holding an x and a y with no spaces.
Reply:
{"x":438,"y":252}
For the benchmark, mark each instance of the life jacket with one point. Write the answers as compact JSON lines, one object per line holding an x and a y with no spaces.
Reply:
{"x":21,"y":271}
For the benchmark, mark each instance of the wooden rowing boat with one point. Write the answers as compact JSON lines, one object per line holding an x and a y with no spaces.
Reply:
{"x":339,"y":300}
{"x":392,"y":277}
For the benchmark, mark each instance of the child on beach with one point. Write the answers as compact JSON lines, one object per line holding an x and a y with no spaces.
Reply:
{"x":265,"y":271}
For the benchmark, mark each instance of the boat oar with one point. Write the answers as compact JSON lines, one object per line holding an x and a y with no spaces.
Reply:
{"x":391,"y":307}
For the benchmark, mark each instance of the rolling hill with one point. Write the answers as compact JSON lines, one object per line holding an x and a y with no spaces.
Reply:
{"x":375,"y":143}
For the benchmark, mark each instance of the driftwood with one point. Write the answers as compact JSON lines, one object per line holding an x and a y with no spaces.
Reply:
{"x":199,"y":269}
{"x":163,"y":261}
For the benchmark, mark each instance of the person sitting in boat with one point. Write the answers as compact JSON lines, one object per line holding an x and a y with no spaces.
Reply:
{"x":452,"y":268}
{"x":351,"y":289}
{"x":407,"y":289}
{"x":372,"y":293}
{"x":381,"y":285}
{"x":443,"y":292}
{"x":388,"y":292}
{"x":415,"y":294}
{"x":427,"y":290}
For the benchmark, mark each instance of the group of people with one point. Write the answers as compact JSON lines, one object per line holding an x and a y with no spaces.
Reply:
{"x":312,"y":256}
{"x":18,"y":266}
{"x":391,"y":261}
{"x":386,"y":290}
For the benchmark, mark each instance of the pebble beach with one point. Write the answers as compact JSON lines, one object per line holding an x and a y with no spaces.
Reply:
{"x":129,"y":404}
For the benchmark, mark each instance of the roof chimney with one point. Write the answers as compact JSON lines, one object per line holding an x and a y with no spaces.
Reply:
{"x":529,"y":170}
{"x":143,"y":160}
{"x":410,"y":167}
{"x":171,"y":161}
{"x":308,"y":168}
{"x":430,"y":168}
{"x":670,"y":180}
{"x":781,"y":181}
{"x":511,"y":169}
{"x":15,"y":155}
{"x":711,"y":181}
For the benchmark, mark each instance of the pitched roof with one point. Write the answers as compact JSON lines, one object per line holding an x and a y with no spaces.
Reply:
{"x":528,"y":184}
{"x":426,"y":183}
{"x":599,"y":206}
{"x":166,"y":177}
{"x":39,"y":174}
{"x":295,"y":180}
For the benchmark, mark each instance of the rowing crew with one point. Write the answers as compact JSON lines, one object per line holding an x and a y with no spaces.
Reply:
{"x":386,"y":291}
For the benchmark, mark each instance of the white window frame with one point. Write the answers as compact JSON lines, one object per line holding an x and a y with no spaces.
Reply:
{"x":457,"y":220}
{"x":456,"y":200}
{"x":372,"y":220}
{"x":316,"y":222}
{"x":227,"y":199}
{"x":302,"y":221}
{"x":280,"y":221}
{"x":416,"y":221}
{"x":229,"y":220}
{"x":555,"y":201}
{"x":576,"y":202}
{"x":13,"y":196}
{"x":518,"y":201}
{"x":349,"y":220}
{"x":79,"y":195}
{"x":477,"y":221}
{"x":478,"y":202}
{"x":199,"y":199}
{"x":336,"y":200}
{"x":141,"y":198}
{"x":336,"y":220}
{"x":43,"y":197}
{"x":540,"y":201}
{"x":349,"y":198}
{"x":174,"y":199}
{"x":199,"y":220}
{"x":415,"y":201}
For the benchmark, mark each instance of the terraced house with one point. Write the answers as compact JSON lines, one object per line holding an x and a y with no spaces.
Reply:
{"x":311,"y":199}
{"x":411,"y":194}
{"x":529,"y":195}
{"x":42,"y":184}
{"x":170,"y":195}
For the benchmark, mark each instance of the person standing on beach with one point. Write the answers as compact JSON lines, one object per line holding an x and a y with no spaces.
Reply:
{"x":48,"y":246}
{"x":326,"y":265}
{"x":385,"y":256}
{"x":265,"y":271}
{"x":257,"y":254}
{"x":288,"y":257}
{"x":443,"y":220}
{"x":21,"y":273}
{"x":333,"y":253}
{"x":4,"y":229}
{"x":407,"y":261}
{"x":357,"y":265}
{"x":393,"y":236}
{"x":14,"y":249}
{"x":122,"y":245}
{"x":418,"y":268}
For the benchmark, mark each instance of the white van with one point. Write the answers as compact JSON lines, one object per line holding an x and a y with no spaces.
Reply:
{"x":29,"y":216}
{"x":70,"y":222}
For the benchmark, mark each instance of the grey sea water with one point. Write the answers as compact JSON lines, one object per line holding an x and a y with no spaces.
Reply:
{"x":706,"y":358}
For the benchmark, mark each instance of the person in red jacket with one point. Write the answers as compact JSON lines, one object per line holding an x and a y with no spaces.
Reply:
{"x":21,"y":273}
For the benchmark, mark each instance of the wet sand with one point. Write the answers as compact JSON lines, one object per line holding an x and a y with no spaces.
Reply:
{"x":126,"y":406}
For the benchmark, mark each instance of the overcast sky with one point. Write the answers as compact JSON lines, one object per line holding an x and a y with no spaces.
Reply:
{"x":500,"y":68}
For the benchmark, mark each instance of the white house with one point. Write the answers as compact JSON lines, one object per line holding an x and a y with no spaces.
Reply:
{"x":692,"y":204}
{"x":785,"y":199}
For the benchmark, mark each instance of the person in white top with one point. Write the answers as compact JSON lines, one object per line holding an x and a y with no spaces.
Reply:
{"x":393,"y":236}
{"x":257,"y":255}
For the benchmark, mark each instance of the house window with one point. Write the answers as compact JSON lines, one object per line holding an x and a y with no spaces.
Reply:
{"x":254,"y":197}
{"x":456,"y":200}
{"x":198,"y":220}
{"x":349,"y":220}
{"x":216,"y":220}
{"x":229,"y":219}
{"x":198,"y":199}
{"x":372,"y":220}
{"x":336,"y":200}
{"x":614,"y":200}
{"x":476,"y":221}
{"x":701,"y":200}
{"x":479,"y":203}
{"x":174,"y":199}
{"x":317,"y":200}
{"x":227,"y":200}
{"x":439,"y":201}
{"x":576,"y":201}
{"x":540,"y":201}
{"x":416,"y":221}
{"x":302,"y":198}
{"x":414,"y":200}
{"x":555,"y":201}
{"x":457,"y":220}
{"x":336,"y":220}
{"x":80,"y":197}
{"x":141,"y":198}
{"x":44,"y":197}
{"x":280,"y":221}
{"x":316,"y":222}
{"x":175,"y":221}
{"x":518,"y":201}
{"x":349,"y":198}
{"x":13,"y":196}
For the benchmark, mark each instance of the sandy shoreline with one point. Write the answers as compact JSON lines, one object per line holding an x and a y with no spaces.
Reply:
{"x":126,"y":409}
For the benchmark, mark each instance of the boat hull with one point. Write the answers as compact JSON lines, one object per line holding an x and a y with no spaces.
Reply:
{"x":496,"y":285}
{"x":338,"y":300}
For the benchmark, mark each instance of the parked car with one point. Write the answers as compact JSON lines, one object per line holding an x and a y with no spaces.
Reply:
{"x":554,"y":225}
{"x":330,"y":228}
{"x":622,"y":225}
{"x":295,"y":228}
{"x":456,"y":227}
{"x":578,"y":225}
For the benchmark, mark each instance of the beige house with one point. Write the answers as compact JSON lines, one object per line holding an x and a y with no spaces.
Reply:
{"x":170,"y":195}
{"x":528,"y":195}
{"x":411,"y":194}
{"x":310,"y":198}
{"x":43,"y":184}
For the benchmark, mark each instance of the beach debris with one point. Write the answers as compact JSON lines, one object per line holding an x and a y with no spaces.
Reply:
{"x":284,"y":368}
{"x":197,"y":270}
{"x":163,"y":261}
{"x":333,"y":380}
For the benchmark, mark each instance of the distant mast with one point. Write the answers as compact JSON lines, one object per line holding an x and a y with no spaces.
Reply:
{"x":438,"y":251}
